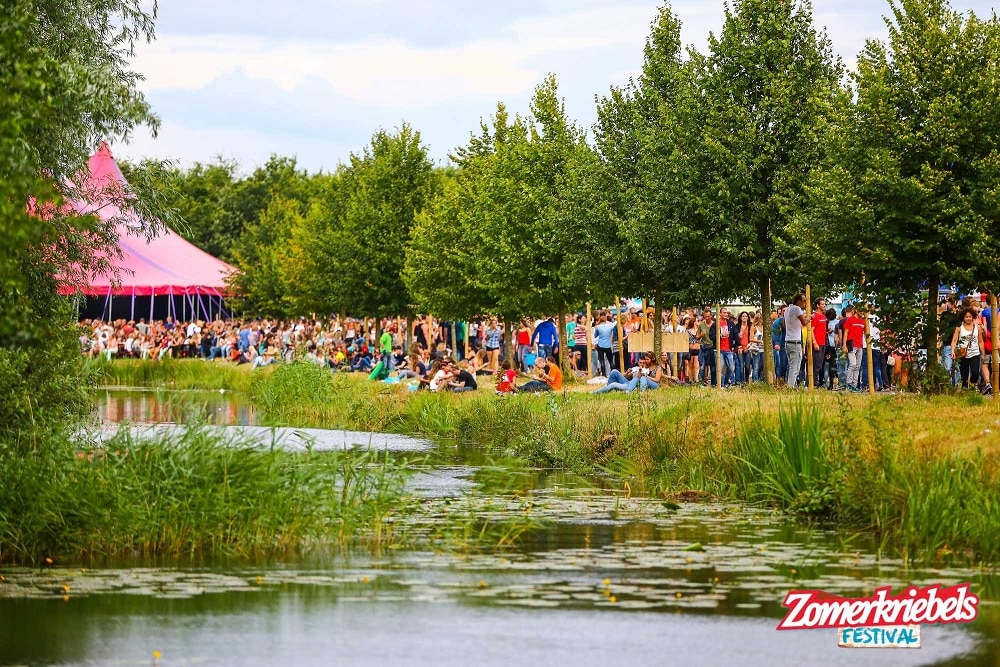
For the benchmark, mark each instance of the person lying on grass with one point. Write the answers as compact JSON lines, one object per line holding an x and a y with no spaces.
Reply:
{"x":548,"y":377}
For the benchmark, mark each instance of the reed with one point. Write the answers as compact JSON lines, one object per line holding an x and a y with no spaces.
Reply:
{"x":171,"y":374}
{"x":193,"y":495}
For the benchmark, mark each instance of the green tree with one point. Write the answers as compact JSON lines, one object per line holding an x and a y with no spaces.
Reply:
{"x":67,"y":85}
{"x":909,"y":196}
{"x":442,"y":256}
{"x":351,"y":246}
{"x":624,"y":206}
{"x":263,"y":256}
{"x":763,"y":101}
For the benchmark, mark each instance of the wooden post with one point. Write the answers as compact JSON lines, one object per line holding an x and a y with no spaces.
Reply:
{"x":621,"y":338}
{"x":466,"y":355}
{"x":673,"y":355}
{"x":718,"y":346}
{"x":995,"y":335}
{"x":868,"y":352}
{"x":807,"y":340}
{"x":590,"y":345}
{"x":454,"y":339}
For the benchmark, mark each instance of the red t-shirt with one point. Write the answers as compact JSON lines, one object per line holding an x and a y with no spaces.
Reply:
{"x":523,"y":337}
{"x":724,"y":333}
{"x":854,"y":329}
{"x":819,"y":328}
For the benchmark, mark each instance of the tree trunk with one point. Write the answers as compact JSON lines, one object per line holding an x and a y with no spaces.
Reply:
{"x":563,"y":342}
{"x":931,"y":326}
{"x":765,"y":316}
{"x":508,"y":349}
{"x":408,"y":336}
{"x":657,"y":329}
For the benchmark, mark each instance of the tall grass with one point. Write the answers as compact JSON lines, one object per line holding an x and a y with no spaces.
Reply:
{"x":789,"y":465}
{"x":192,"y":495}
{"x":172,"y":374}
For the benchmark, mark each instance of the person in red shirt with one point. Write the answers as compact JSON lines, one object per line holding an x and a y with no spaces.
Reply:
{"x":819,"y":341}
{"x":854,"y":346}
{"x":728,"y":328}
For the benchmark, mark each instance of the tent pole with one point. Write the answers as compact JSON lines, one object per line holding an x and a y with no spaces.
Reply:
{"x":107,"y":308}
{"x":152,"y":300}
{"x":132,"y":317}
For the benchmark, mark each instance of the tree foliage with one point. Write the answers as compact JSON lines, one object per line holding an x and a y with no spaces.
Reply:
{"x":909,"y":196}
{"x":67,"y":85}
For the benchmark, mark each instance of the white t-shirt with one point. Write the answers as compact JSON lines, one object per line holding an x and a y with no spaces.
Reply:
{"x":793,"y":325}
{"x":437,"y":380}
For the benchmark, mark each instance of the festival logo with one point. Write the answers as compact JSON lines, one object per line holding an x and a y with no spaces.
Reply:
{"x":882,"y":620}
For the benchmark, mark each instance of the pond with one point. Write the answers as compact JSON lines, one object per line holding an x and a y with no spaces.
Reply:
{"x":599,"y":577}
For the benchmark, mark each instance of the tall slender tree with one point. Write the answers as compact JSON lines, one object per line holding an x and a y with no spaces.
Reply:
{"x":764,"y":97}
{"x":910,"y":196}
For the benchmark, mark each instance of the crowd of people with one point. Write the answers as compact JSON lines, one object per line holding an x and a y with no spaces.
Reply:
{"x":724,"y":349}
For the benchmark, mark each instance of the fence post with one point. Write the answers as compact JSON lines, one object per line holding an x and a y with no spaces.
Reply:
{"x":590,"y":345}
{"x":807,"y":339}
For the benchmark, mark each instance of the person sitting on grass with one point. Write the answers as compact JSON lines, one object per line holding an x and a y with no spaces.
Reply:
{"x":506,"y":379}
{"x":627,"y":382}
{"x":549,"y":378}
{"x":479,"y":364}
{"x":650,"y":374}
{"x":462,"y":379}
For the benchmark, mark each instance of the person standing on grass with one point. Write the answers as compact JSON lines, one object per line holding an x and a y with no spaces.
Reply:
{"x":523,"y":341}
{"x":580,"y":334}
{"x":385,"y":348}
{"x":492,"y":343}
{"x":830,"y":358}
{"x":605,"y":332}
{"x":967,"y":346}
{"x":727,"y":348}
{"x":546,"y":336}
{"x":778,"y":340}
{"x":818,"y":341}
{"x":706,"y":339}
{"x":795,"y":319}
{"x":853,"y":337}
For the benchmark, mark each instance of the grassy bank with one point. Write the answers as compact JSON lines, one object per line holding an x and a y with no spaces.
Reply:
{"x":922,"y":472}
{"x":191,"y":496}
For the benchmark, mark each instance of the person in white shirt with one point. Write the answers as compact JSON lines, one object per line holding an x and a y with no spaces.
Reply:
{"x":795,"y":319}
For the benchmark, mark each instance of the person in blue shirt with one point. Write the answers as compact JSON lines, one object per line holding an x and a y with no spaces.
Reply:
{"x":605,"y":331}
{"x":546,"y":336}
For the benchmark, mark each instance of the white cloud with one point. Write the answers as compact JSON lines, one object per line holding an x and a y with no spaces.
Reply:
{"x":391,"y":71}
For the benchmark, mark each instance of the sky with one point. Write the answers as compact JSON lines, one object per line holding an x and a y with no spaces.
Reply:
{"x":314,"y":79}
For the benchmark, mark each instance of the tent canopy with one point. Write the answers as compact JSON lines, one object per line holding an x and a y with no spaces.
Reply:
{"x":165,"y":265}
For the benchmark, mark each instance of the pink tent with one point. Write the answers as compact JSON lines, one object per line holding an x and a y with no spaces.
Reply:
{"x":166,"y":266}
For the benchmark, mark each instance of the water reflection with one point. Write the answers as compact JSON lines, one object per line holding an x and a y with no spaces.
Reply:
{"x":174,"y":407}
